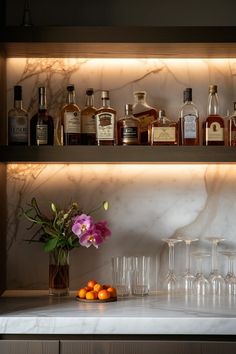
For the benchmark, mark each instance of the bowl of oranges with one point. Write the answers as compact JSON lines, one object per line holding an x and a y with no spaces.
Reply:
{"x":95,"y":292}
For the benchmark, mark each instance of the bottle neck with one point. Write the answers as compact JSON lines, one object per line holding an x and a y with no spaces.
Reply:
{"x":18,"y":104}
{"x":89,"y":101}
{"x":213,"y":104}
{"x":71,"y":97}
{"x":140,"y":100}
{"x":105,"y":102}
{"x":42,"y":102}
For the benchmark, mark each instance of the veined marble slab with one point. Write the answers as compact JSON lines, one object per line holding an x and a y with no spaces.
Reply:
{"x":149,"y":315}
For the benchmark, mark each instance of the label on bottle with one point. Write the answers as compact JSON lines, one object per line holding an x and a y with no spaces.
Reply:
{"x":88,"y":123}
{"x":215,"y":132}
{"x":18,"y":129}
{"x":129,"y":135}
{"x":105,"y":126}
{"x":190,"y":127}
{"x":163,"y":134}
{"x":72,"y":122}
{"x":42,"y":134}
{"x":145,"y":119}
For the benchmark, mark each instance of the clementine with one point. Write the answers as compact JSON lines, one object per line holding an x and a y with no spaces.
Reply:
{"x":97,"y":287}
{"x":90,"y":295}
{"x":104,"y":295}
{"x":91,"y":283}
{"x":82,"y":293}
{"x":112,"y":291}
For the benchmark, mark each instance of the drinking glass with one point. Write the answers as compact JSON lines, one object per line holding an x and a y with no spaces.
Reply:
{"x":200,"y":285}
{"x":230,"y":278}
{"x":188,"y":277}
{"x":170,"y":279}
{"x":121,"y":275}
{"x":140,"y":274}
{"x":215,"y":278}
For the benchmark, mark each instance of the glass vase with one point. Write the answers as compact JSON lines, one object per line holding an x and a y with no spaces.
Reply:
{"x":59,"y":272}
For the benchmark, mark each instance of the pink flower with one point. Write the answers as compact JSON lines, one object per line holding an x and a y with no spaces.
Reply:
{"x":82,"y":223}
{"x":102,"y":227}
{"x":91,"y":237}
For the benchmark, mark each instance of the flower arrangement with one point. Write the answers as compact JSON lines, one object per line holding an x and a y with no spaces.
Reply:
{"x":66,"y":228}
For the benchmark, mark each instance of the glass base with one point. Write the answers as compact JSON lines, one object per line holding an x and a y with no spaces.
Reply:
{"x":58,"y":292}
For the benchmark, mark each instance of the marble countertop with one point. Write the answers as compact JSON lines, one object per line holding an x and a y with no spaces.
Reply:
{"x":37,"y":313}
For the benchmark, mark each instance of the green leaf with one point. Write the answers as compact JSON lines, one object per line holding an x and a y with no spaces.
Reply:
{"x":50,"y":245}
{"x":50,"y":232}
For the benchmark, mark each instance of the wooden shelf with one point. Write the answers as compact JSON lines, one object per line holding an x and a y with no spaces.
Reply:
{"x":118,"y":154}
{"x":130,"y":42}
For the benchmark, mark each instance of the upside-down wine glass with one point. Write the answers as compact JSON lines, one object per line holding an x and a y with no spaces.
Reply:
{"x":188,"y":277}
{"x":201,"y":284}
{"x":216,"y":280}
{"x":170,"y":279}
{"x":230,"y":278}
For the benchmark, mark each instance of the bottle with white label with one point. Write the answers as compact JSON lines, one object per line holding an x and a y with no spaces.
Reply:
{"x":71,"y":119}
{"x":105,"y":122}
{"x":214,"y":126}
{"x":42,"y":124}
{"x":163,"y":131}
{"x":88,"y":126}
{"x":17,"y":121}
{"x":189,"y":121}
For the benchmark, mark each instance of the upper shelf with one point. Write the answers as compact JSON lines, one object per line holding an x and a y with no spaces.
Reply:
{"x":118,"y":154}
{"x":178,"y":42}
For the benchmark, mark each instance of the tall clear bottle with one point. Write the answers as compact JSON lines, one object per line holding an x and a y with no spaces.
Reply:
{"x":231,"y":138}
{"x":88,"y":124}
{"x":214,"y":126}
{"x":17,"y":120}
{"x":189,"y":121}
{"x":105,"y":122}
{"x":41,"y":124}
{"x":71,"y":119}
{"x":145,"y":113}
{"x":128,"y":128}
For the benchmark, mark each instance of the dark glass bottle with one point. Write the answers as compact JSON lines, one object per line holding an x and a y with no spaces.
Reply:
{"x":231,"y":138}
{"x":17,"y":121}
{"x":128,"y":128}
{"x":41,"y":124}
{"x":88,"y":126}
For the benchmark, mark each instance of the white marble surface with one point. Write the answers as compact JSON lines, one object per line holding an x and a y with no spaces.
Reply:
{"x":40,"y":314}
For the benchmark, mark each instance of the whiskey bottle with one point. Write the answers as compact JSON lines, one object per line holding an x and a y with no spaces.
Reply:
{"x":213,"y":127}
{"x":105,"y":122}
{"x":128,"y":128}
{"x":145,"y":113}
{"x":17,"y":121}
{"x":71,"y":119}
{"x":88,"y":126}
{"x":41,"y":124}
{"x":232,"y":128}
{"x":163,"y":131}
{"x":189,"y":121}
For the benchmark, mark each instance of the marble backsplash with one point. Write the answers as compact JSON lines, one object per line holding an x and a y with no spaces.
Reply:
{"x":147,"y":202}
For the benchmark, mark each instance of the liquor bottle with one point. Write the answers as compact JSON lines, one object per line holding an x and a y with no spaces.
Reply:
{"x":41,"y":124}
{"x":163,"y":131}
{"x":17,"y":121}
{"x":232,"y":128}
{"x":88,"y":126}
{"x":145,"y":113}
{"x":189,"y":121}
{"x":105,"y":122}
{"x":213,"y":127}
{"x":128,"y":128}
{"x":71,"y":119}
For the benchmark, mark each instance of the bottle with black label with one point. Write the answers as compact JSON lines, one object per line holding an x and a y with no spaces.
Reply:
{"x":41,"y":124}
{"x":105,"y":122}
{"x":71,"y":119}
{"x":128,"y":128}
{"x":189,"y":121}
{"x":17,"y":121}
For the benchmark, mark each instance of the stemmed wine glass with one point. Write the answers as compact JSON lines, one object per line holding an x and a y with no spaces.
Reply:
{"x":230,"y":278}
{"x":170,"y":279}
{"x":201,"y":284}
{"x":215,"y":278}
{"x":188,"y":277}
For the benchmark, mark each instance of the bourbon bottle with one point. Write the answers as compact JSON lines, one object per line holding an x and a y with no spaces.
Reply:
{"x":105,"y":122}
{"x":214,"y":126}
{"x":163,"y":131}
{"x":88,"y":126}
{"x":189,"y":121}
{"x":128,"y":128}
{"x":145,"y":113}
{"x":232,"y":128}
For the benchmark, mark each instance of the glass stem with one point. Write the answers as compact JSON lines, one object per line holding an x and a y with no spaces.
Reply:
{"x":231,"y":265}
{"x":171,"y":257}
{"x":214,"y":265}
{"x":187,"y":242}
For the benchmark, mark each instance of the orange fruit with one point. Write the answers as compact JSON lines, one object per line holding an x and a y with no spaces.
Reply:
{"x":91,"y":283}
{"x":106,"y":286}
{"x":112,"y":291}
{"x":91,"y":295}
{"x":104,"y":294}
{"x":81,"y":293}
{"x":95,"y":293}
{"x":97,"y":287}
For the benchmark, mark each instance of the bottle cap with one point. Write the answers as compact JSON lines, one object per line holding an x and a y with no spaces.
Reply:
{"x":70,"y":88}
{"x":161,"y":113}
{"x":89,"y":92}
{"x":213,"y":89}
{"x":42,"y":90}
{"x":18,"y":93}
{"x":188,"y":94}
{"x":128,"y":109}
{"x":105,"y":94}
{"x":140,"y":94}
